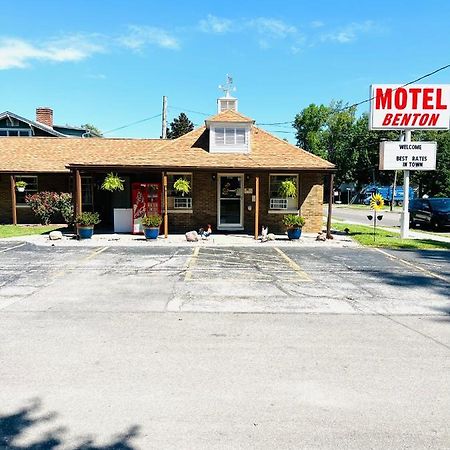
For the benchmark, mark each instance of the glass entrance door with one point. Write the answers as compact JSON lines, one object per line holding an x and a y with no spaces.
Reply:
{"x":230,"y":198}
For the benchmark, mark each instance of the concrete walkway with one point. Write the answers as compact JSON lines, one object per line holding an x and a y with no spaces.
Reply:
{"x":179,"y":240}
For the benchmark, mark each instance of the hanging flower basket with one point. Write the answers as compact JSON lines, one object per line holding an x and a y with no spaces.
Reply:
{"x":21,"y":185}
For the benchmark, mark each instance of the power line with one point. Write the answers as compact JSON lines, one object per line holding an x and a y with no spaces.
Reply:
{"x":133,"y":123}
{"x":190,"y":111}
{"x":354,"y":105}
{"x":289,"y":122}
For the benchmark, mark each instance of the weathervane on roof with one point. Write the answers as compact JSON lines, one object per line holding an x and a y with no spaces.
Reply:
{"x":228,"y":86}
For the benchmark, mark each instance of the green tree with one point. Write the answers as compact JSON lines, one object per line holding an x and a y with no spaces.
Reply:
{"x":310,"y":124}
{"x":179,"y":126}
{"x":92,"y":128}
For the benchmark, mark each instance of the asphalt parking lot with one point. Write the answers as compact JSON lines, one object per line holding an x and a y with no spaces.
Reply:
{"x":217,"y":348}
{"x":209,"y":279}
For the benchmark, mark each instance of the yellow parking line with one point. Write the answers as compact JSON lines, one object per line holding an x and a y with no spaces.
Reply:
{"x":86,"y":258}
{"x":94,"y":254}
{"x":294,"y":266}
{"x":407,"y":263}
{"x":191,"y":264}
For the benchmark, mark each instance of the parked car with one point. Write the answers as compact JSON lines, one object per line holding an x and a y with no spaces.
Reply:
{"x":430,"y":212}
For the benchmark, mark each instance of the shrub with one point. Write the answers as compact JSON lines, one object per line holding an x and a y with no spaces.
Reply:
{"x":152,"y":220}
{"x":293,"y":221}
{"x":48,"y":205}
{"x":43,"y":205}
{"x":64,"y":206}
{"x":87,"y":219}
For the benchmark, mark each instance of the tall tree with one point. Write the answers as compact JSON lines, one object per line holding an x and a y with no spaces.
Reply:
{"x":179,"y":126}
{"x":92,"y":128}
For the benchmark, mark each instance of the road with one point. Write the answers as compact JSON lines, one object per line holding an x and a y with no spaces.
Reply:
{"x":218,"y":348}
{"x":390,"y":219}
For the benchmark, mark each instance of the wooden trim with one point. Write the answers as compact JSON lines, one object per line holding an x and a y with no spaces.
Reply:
{"x":166,"y":215}
{"x":13,"y":199}
{"x":78,"y":194}
{"x":330,"y":206}
{"x":256,"y":207}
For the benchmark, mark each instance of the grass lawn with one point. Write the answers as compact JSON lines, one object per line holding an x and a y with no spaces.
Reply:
{"x":7,"y":231}
{"x":387,"y":239}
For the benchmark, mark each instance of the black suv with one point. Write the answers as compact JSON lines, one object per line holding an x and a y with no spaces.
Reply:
{"x":431,"y":212}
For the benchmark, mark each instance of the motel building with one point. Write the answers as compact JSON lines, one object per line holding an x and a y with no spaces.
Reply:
{"x":234,"y":169}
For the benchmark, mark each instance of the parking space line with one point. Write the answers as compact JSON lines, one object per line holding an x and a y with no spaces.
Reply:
{"x":407,"y":263}
{"x":191,"y":263}
{"x":12,"y":248}
{"x":294,"y":266}
{"x":86,"y":258}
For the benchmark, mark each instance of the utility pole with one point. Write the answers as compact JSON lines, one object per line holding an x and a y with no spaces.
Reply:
{"x":164,"y":118}
{"x":404,"y":230}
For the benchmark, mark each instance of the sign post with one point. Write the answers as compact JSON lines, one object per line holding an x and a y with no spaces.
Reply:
{"x":404,"y":225}
{"x":409,"y":107}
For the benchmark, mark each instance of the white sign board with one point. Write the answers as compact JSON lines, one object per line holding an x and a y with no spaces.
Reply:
{"x":414,"y":107}
{"x":400,"y":155}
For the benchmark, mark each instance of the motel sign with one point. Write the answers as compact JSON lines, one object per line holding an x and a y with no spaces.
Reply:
{"x":416,"y":106}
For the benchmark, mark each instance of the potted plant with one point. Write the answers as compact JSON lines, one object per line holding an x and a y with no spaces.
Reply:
{"x":151,"y":224}
{"x":21,"y":185}
{"x":85,"y":224}
{"x":112,"y":182}
{"x":287,"y":189}
{"x":294,"y":225}
{"x":182,"y":186}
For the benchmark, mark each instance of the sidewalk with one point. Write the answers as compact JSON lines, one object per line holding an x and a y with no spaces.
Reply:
{"x":179,"y":240}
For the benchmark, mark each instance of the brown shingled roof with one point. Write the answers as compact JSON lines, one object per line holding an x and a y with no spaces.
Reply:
{"x":229,"y":116}
{"x":189,"y":151}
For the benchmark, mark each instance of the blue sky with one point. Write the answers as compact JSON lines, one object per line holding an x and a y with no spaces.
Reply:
{"x":110,"y":62}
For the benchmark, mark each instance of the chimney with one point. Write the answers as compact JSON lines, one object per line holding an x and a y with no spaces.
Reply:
{"x":45,"y":115}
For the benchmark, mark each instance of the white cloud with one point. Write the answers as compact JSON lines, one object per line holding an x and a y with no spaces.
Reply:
{"x":214,"y":24}
{"x":140,"y":37}
{"x":20,"y":53}
{"x":272,"y":27}
{"x":317,"y":24}
{"x":350,"y":32}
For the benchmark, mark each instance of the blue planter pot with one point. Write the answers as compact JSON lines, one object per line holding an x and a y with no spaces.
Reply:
{"x":151,"y":233}
{"x":294,"y":233}
{"x":85,"y":232}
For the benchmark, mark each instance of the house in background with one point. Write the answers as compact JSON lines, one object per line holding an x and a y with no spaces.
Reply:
{"x":234,"y":169}
{"x":13,"y":125}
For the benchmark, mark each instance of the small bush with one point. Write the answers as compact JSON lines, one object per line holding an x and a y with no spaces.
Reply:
{"x":152,"y":220}
{"x":293,"y":221}
{"x":87,"y":219}
{"x":46,"y":206}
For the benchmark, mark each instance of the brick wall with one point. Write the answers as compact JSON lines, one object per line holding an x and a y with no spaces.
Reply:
{"x":204,"y":194}
{"x":46,"y":182}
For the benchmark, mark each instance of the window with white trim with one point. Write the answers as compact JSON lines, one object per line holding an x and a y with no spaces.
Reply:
{"x":229,"y":136}
{"x":175,"y":199}
{"x":30,"y":189}
{"x":277,"y":202}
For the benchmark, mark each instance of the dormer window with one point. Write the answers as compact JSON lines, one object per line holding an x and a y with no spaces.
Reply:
{"x":229,"y":136}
